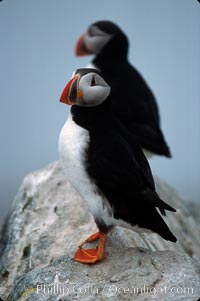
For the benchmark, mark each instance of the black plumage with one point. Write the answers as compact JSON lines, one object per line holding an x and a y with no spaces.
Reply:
{"x":134,"y":104}
{"x":107,"y":166}
{"x":116,"y":164}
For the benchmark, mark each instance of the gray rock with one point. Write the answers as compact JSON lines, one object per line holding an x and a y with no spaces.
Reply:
{"x":126,"y":274}
{"x":194,"y":210}
{"x":49,"y":220}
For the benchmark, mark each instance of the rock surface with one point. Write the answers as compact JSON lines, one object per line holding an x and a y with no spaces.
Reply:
{"x":135,"y":273}
{"x":49,"y":220}
{"x":194,"y":210}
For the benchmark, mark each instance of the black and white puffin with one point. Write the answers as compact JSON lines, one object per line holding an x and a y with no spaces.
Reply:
{"x":106,"y":165}
{"x":138,"y":111}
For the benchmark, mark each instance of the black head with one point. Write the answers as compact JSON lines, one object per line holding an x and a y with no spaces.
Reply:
{"x":87,"y":88}
{"x":98,"y":36}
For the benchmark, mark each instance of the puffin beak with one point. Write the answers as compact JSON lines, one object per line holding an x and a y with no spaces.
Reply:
{"x":69,"y":93}
{"x":81,"y":48}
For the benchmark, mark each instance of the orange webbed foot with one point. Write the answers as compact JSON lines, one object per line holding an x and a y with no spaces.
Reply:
{"x":88,"y":256}
{"x":91,"y":238}
{"x":92,"y":255}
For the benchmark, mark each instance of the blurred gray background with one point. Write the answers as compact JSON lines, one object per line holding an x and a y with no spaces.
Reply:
{"x":37,"y":41}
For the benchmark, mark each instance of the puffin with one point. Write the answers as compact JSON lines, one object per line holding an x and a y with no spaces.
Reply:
{"x":140,"y":112}
{"x":106,"y":165}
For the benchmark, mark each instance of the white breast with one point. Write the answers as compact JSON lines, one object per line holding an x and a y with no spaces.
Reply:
{"x":73,"y":143}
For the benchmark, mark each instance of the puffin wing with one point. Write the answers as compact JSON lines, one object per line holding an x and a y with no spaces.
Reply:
{"x":121,"y":168}
{"x":125,"y":183}
{"x":151,"y":138}
{"x":140,"y":114}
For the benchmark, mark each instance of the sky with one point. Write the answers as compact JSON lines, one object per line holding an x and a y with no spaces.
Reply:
{"x":37,"y":40}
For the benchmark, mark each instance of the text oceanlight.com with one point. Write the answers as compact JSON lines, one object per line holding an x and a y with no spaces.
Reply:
{"x":65,"y":289}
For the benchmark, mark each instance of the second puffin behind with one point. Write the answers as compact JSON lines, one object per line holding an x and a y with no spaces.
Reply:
{"x":106,"y":165}
{"x":133,"y":101}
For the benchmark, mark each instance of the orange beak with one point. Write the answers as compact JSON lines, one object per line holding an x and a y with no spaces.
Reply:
{"x":65,"y":96}
{"x":81,"y":48}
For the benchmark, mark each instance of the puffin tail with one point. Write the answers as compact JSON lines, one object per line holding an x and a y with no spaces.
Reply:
{"x":154,"y":200}
{"x":153,"y":219}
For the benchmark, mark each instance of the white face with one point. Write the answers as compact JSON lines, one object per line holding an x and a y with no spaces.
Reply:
{"x":94,"y":90}
{"x":96,"y":39}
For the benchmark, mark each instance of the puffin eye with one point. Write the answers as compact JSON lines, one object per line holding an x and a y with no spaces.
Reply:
{"x":93,"y":83}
